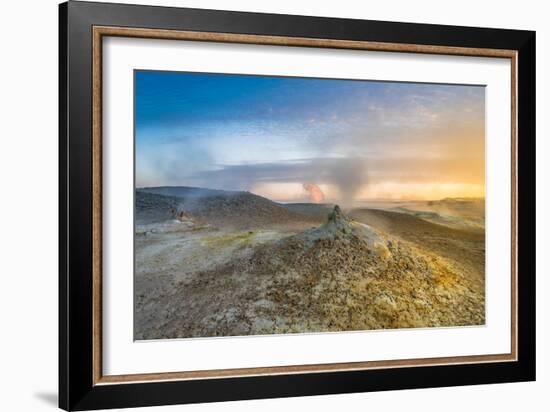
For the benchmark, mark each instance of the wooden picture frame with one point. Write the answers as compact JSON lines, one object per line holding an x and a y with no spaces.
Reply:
{"x":82,"y":384}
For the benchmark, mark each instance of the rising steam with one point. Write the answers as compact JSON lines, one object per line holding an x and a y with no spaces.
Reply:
{"x":314,"y":192}
{"x":349,"y":176}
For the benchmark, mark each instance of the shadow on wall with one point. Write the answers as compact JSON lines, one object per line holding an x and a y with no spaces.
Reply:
{"x":49,"y":398}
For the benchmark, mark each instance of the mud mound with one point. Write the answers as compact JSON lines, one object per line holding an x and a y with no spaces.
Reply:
{"x":339,"y":229}
{"x":348,"y":276}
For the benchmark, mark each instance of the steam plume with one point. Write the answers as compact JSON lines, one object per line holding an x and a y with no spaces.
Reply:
{"x":314,"y":192}
{"x":349,"y":175}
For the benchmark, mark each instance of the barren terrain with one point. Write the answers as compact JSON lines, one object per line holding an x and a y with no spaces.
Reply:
{"x":220,"y":263}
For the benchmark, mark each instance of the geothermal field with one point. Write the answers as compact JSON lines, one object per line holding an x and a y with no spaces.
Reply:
{"x":227,"y":263}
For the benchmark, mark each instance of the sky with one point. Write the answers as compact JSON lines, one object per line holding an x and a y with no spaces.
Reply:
{"x":310,"y":139}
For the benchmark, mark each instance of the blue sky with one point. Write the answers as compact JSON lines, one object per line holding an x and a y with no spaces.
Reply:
{"x":355,"y":140}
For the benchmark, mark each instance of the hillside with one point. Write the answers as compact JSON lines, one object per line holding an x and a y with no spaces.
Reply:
{"x":452,"y":212}
{"x":340,"y":275}
{"x":185,"y":191}
{"x":215,"y":207}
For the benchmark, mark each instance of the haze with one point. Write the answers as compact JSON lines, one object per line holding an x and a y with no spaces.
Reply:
{"x":310,"y":140}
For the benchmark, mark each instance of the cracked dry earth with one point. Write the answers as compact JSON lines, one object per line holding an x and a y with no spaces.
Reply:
{"x":373,"y":270}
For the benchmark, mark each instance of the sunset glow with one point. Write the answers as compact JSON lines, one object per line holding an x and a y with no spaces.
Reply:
{"x":310,"y":140}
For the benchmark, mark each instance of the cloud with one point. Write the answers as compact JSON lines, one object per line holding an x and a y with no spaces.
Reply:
{"x":344,"y":136}
{"x":348,"y":175}
{"x":170,"y":164}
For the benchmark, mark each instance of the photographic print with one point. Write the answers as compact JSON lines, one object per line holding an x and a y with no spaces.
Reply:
{"x":276,"y":205}
{"x":264,"y":205}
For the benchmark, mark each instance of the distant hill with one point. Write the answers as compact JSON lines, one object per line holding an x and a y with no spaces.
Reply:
{"x":154,"y":208}
{"x":215,"y":207}
{"x":452,"y":212}
{"x":316,"y":210}
{"x":462,"y":207}
{"x":186,"y":191}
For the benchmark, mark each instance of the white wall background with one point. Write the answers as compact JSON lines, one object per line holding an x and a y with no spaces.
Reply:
{"x":28,"y":203}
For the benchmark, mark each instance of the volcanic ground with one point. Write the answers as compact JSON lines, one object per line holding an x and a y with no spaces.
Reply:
{"x":221,"y":263}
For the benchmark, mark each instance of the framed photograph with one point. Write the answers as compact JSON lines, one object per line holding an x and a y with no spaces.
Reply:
{"x":257,"y":205}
